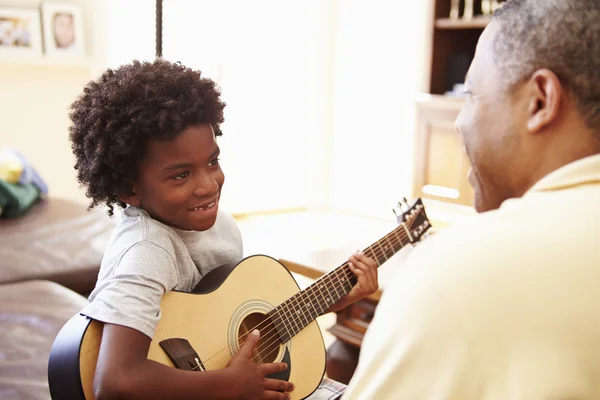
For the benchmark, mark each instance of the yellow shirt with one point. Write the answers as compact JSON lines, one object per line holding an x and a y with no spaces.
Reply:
{"x":503,"y":306}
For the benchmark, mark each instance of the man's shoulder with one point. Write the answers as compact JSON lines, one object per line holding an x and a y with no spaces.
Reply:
{"x":483,"y":231}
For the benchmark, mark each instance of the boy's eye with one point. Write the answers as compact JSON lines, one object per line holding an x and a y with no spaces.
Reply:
{"x":214,"y":162}
{"x":182,"y":175}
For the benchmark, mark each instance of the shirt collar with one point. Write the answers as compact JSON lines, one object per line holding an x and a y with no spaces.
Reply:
{"x":582,"y":171}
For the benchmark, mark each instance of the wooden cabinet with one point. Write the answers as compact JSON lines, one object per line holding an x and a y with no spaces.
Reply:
{"x":441,"y":165}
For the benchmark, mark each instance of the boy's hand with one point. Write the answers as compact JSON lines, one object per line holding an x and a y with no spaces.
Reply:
{"x":365,"y":269}
{"x":250,"y":377}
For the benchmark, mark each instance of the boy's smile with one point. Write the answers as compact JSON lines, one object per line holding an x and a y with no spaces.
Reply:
{"x":179,"y":181}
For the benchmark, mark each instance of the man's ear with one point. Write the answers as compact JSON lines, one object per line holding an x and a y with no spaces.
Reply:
{"x":132,"y":198}
{"x":546,"y":95}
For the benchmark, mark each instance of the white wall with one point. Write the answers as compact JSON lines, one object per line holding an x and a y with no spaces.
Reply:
{"x":34,"y":105}
{"x":381,"y":63}
{"x":319,"y":94}
{"x":273,"y":61}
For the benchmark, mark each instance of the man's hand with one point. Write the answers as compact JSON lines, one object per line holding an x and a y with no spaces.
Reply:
{"x":365,"y":269}
{"x":251,"y":377}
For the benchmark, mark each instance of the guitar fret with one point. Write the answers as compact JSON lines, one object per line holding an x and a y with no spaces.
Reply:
{"x":347,"y":280}
{"x":389,"y":244}
{"x":314,"y":287}
{"x":329,"y":299}
{"x":290,"y":315}
{"x":383,"y":251}
{"x":277,"y":320}
{"x":334,"y":288}
{"x":319,"y":286}
{"x":288,"y":324}
{"x":397,"y":236}
{"x":313,"y":302}
{"x":308,"y":305}
{"x":297,"y":312}
{"x":373,"y":254}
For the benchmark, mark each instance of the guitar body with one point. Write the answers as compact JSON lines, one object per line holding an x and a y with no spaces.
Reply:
{"x":230,"y":302}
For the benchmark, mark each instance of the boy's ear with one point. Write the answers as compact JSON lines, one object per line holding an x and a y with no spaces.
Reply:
{"x":132,"y":198}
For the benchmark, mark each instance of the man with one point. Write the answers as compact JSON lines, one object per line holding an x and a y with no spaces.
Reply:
{"x":507,"y":305}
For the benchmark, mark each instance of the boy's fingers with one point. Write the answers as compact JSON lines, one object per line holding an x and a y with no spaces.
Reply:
{"x":249,"y":344}
{"x":271,"y":368}
{"x":278,"y":385}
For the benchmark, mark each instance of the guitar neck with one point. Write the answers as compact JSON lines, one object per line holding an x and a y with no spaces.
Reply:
{"x":298,"y":311}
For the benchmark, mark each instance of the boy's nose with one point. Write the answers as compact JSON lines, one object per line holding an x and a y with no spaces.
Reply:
{"x":205,"y":186}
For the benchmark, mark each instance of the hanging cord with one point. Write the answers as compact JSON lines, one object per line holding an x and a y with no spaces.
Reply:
{"x":159,"y":21}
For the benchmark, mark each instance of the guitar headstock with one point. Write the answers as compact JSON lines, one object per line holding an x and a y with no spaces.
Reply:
{"x":413,"y":217}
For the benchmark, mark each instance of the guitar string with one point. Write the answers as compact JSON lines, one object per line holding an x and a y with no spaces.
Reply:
{"x":264,"y":344}
{"x":394,"y":234}
{"x":328,"y":285}
{"x":263,"y":335}
{"x":380,"y":252}
{"x":347,"y":274}
{"x":346,"y":267}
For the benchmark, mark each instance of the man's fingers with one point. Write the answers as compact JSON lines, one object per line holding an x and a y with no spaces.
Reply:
{"x":367,"y":275}
{"x":249,"y":344}
{"x":355,"y":269}
{"x":271,"y":368}
{"x":278,"y":385}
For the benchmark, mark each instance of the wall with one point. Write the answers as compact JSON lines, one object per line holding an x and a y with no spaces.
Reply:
{"x":320,"y":99}
{"x":273,"y":60}
{"x":34,"y":105}
{"x":381,"y":63}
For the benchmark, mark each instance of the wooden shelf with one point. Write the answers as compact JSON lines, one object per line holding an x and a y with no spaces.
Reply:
{"x":475,"y":23}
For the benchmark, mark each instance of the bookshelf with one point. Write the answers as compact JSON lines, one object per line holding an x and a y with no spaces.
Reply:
{"x":440,"y":170}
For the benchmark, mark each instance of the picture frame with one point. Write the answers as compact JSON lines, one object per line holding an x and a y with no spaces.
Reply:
{"x":20,"y":34}
{"x":64,"y":30}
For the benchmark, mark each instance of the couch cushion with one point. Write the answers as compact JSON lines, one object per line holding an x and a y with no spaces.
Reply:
{"x":57,"y":240}
{"x":31,"y":315}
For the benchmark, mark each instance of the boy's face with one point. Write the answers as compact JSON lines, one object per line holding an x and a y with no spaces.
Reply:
{"x":180,"y":180}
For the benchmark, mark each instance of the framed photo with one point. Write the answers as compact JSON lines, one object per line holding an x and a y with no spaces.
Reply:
{"x":20,"y":33}
{"x":64,"y":35}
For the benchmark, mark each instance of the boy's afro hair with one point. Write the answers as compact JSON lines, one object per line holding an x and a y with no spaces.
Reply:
{"x":117,"y":115}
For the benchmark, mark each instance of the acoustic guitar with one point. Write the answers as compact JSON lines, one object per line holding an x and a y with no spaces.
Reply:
{"x":202,"y":330}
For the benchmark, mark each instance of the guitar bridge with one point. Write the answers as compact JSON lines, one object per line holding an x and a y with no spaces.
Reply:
{"x":182,"y":354}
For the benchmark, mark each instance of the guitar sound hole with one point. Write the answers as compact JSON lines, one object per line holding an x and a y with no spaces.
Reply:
{"x":267,"y":349}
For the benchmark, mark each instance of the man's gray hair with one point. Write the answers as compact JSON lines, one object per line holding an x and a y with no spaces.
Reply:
{"x":560,"y":35}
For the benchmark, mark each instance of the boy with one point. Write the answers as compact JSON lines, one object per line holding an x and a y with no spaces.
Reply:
{"x":144,"y":139}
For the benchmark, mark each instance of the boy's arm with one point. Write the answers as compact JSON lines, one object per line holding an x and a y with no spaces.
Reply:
{"x":124,"y":372}
{"x":365,"y":269}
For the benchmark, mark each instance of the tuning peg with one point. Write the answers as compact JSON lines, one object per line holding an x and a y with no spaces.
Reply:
{"x":405,"y":202}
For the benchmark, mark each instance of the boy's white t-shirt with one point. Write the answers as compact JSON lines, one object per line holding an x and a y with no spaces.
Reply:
{"x":145,"y":259}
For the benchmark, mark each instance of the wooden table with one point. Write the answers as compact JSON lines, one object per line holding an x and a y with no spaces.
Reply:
{"x":351,"y":322}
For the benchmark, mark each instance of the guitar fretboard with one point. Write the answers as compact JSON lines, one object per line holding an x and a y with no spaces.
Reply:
{"x":298,"y":311}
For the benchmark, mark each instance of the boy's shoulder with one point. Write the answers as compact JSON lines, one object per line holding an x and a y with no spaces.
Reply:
{"x":136,"y":226}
